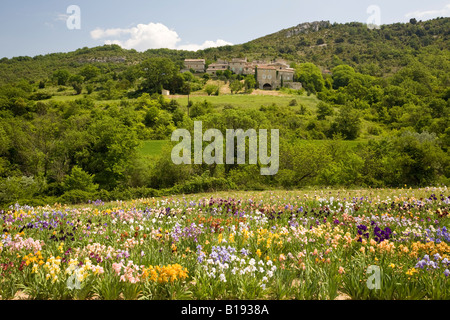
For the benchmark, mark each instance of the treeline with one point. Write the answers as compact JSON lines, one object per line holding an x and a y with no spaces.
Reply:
{"x":77,"y":151}
{"x":413,"y":98}
{"x":110,"y":59}
{"x":100,"y":83}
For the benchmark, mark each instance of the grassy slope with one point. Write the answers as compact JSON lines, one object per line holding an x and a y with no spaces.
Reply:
{"x":251,"y":101}
{"x":153,"y":148}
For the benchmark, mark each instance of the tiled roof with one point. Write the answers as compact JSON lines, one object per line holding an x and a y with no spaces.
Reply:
{"x":218,"y":65}
{"x":287,"y":70}
{"x":266,"y":67}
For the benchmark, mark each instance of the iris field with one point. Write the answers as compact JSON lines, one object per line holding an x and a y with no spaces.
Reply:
{"x":314,"y":244}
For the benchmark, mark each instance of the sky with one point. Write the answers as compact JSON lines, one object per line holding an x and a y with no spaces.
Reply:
{"x":30,"y":27}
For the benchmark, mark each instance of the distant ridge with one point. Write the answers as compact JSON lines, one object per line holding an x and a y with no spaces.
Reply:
{"x":378,"y":52}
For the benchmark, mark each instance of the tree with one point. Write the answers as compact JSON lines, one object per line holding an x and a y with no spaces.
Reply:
{"x":249,"y":83}
{"x":210,"y":89}
{"x":112,"y":147}
{"x":301,"y":162}
{"x":415,"y":77}
{"x":171,"y":106}
{"x":176,"y":83}
{"x":76,"y":82}
{"x":236,"y":86}
{"x":200,"y":108}
{"x":89,"y":72}
{"x":166,"y":174}
{"x":79,"y":180}
{"x":293,"y":103}
{"x":89,"y":88}
{"x":131,"y":74}
{"x":416,"y":159}
{"x":178,"y":116}
{"x":323,"y":110}
{"x":163,"y":126}
{"x":439,"y":108}
{"x":158,"y":73}
{"x":108,"y":90}
{"x":310,"y":76}
{"x":342,"y":75}
{"x":188,"y":76}
{"x":151,"y":116}
{"x":227,"y":73}
{"x":13,"y":189}
{"x":347,"y":123}
{"x":61,"y":77}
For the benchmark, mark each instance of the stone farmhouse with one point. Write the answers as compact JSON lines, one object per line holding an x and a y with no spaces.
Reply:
{"x":269,"y":76}
{"x":198,"y":65}
{"x":214,"y":67}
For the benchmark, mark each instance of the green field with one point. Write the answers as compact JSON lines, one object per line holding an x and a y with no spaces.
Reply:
{"x":153,"y":148}
{"x":236,"y":100}
{"x":69,"y":96}
{"x":252,"y":101}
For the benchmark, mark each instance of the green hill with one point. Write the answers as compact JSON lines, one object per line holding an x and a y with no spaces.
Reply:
{"x":376,"y":52}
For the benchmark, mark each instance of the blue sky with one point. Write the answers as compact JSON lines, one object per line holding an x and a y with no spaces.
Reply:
{"x":30,"y":27}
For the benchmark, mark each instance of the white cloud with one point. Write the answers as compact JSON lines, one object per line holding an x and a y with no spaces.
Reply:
{"x":149,"y":36}
{"x":429,"y":13}
{"x":206,"y":44}
{"x":56,"y":17}
{"x":100,"y":33}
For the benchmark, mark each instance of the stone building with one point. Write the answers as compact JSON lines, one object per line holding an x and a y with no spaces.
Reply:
{"x":249,"y":68}
{"x":286,"y":75}
{"x":270,"y":77}
{"x":214,"y":67}
{"x":238,"y":65}
{"x":198,"y":65}
{"x":266,"y":76}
